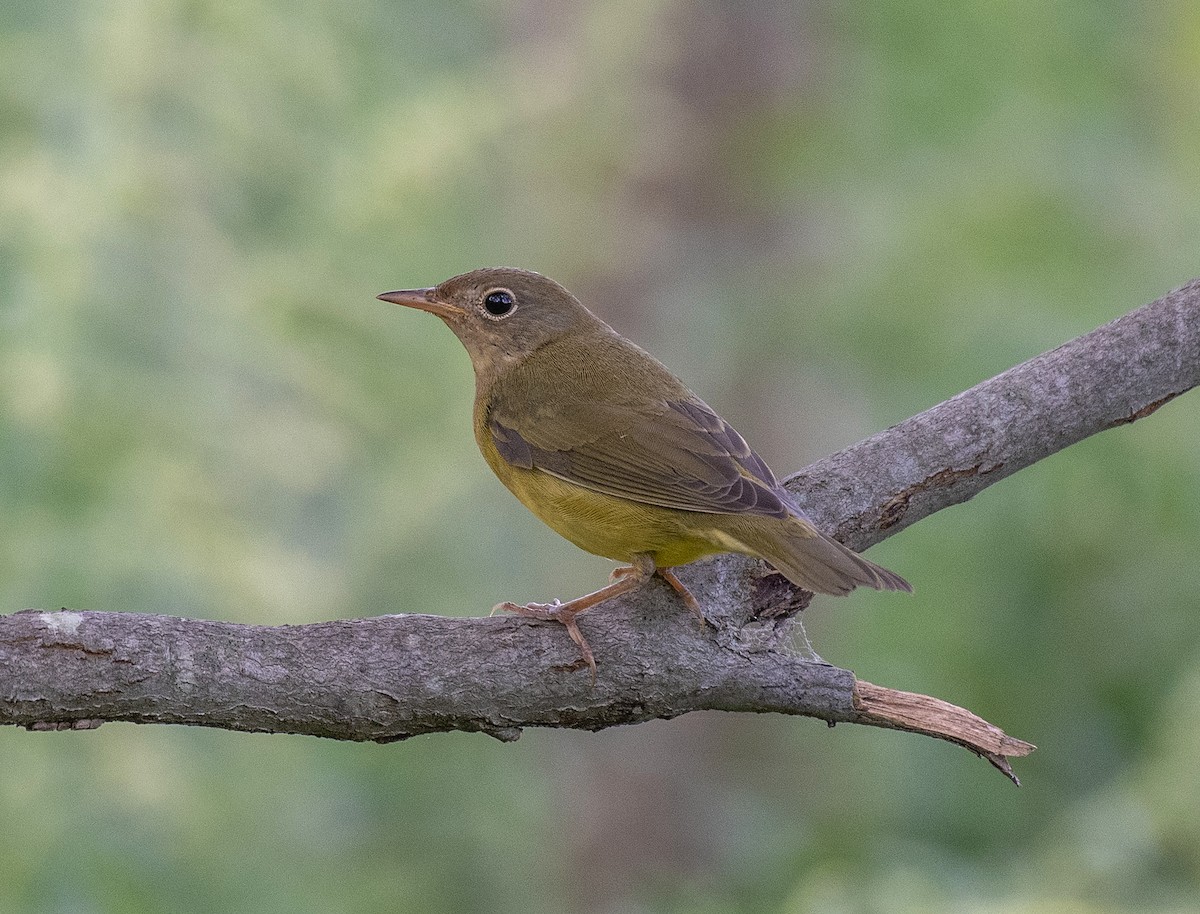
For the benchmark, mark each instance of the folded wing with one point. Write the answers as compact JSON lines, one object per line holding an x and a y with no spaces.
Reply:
{"x":674,"y":454}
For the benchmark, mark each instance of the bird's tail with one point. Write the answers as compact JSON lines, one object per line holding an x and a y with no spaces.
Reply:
{"x":810,"y":559}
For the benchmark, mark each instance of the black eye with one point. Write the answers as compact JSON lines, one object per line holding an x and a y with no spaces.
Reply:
{"x":499,"y":302}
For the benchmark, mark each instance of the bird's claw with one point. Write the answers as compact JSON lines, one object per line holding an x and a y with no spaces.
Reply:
{"x":560,"y":612}
{"x":546,"y":612}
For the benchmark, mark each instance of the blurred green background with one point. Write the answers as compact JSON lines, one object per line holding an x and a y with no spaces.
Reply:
{"x":824,"y":216}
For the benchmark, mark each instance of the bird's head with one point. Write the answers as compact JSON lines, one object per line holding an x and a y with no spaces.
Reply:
{"x":501,"y":314}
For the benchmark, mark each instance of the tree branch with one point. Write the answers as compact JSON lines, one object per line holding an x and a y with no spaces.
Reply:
{"x":393,"y":677}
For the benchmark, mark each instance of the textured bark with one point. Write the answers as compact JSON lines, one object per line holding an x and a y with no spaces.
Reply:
{"x":392,"y":677}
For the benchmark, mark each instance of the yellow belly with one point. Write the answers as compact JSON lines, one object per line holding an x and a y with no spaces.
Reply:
{"x":613,"y":527}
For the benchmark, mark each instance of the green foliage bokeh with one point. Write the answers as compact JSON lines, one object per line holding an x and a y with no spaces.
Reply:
{"x":825,"y":217}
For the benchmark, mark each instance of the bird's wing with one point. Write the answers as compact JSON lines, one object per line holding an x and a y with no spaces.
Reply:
{"x":674,"y":453}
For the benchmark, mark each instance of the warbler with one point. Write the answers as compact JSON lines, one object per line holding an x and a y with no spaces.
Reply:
{"x":612,"y":451}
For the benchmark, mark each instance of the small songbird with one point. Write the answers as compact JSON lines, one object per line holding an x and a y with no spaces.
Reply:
{"x":600,"y":441}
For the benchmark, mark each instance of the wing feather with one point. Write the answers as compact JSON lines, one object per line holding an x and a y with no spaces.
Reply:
{"x":677,"y":454}
{"x":648,"y":439}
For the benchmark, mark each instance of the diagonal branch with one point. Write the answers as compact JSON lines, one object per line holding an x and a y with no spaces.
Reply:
{"x":392,"y":677}
{"x":1114,"y":375}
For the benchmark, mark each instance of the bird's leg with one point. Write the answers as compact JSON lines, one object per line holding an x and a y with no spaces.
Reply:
{"x":680,"y":588}
{"x":624,"y":579}
{"x":565,"y":613}
{"x":677,"y":585}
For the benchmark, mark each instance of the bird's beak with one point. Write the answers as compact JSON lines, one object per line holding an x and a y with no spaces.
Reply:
{"x":424,"y":300}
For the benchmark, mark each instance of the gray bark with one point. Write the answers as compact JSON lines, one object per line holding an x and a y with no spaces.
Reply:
{"x":392,"y":677}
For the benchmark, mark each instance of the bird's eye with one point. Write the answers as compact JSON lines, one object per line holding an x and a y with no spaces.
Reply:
{"x":499,"y":303}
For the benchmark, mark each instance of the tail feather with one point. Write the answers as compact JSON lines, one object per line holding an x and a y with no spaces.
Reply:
{"x":816,"y":562}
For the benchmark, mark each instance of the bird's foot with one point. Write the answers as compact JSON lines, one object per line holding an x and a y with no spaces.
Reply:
{"x":543,"y":611}
{"x":688,"y":600}
{"x":564,"y":614}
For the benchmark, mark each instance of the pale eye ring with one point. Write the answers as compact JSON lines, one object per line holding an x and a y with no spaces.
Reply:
{"x":499,"y":303}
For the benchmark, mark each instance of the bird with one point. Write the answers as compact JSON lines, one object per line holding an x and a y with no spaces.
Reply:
{"x":613,"y":452}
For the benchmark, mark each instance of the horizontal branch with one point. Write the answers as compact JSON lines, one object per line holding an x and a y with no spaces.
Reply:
{"x":392,"y":677}
{"x":387,"y":678}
